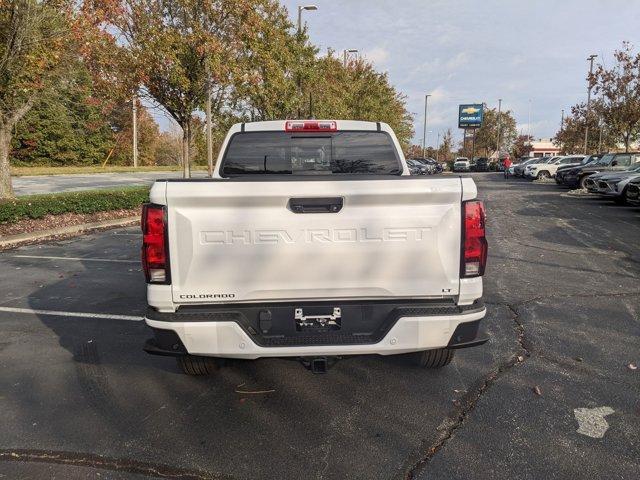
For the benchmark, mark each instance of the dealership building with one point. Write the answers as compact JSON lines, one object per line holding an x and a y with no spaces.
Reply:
{"x":543,"y":147}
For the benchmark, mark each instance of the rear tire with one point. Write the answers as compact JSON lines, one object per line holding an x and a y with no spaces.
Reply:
{"x":543,"y":174}
{"x":193,"y":365}
{"x":438,"y":358}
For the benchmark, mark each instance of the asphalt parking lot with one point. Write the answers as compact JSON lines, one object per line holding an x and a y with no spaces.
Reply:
{"x":36,"y":184}
{"x":80,"y":398}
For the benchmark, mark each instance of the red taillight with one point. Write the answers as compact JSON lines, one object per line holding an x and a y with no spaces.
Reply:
{"x":310,"y":126}
{"x":474,"y":242}
{"x":154,"y":244}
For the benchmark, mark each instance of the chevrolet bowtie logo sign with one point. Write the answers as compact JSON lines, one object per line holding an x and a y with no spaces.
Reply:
{"x":470,"y":115}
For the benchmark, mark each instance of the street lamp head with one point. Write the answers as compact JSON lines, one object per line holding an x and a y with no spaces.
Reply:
{"x":352,"y":50}
{"x":308,"y":7}
{"x":592,"y":56}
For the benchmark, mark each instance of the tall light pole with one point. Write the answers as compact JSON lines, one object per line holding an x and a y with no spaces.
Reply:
{"x":590,"y":59}
{"x":345,"y":52}
{"x":300,"y":9}
{"x":529,"y":121}
{"x":438,"y":147}
{"x":424,"y":130}
{"x":134,"y":122}
{"x":562,"y":120}
{"x":208,"y":136}
{"x":498,"y":140}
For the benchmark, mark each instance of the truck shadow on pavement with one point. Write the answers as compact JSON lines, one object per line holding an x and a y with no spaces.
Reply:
{"x":101,"y":394}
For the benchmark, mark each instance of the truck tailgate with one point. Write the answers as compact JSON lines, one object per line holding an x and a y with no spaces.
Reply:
{"x":240,"y":241}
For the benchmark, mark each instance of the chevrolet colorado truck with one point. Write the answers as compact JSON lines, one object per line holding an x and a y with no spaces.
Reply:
{"x":312,"y":241}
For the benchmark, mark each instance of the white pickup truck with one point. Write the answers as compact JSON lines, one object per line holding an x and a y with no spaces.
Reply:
{"x":313,"y":241}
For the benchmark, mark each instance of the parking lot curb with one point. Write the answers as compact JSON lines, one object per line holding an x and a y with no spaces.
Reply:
{"x":12,"y":241}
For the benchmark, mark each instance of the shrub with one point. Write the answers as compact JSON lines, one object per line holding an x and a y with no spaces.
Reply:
{"x":88,"y":201}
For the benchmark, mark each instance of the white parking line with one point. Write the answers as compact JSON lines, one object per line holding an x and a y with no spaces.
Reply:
{"x":71,"y":314}
{"x":78,"y":259}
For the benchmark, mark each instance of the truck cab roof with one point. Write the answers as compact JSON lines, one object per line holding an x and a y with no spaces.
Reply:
{"x":281,"y":125}
{"x":277,"y":152}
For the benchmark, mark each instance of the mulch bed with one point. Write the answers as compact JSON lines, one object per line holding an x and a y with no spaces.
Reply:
{"x":64,"y":220}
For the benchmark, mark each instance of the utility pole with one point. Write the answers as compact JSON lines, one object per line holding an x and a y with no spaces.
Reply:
{"x":424,"y":131}
{"x":207,"y":112}
{"x":300,"y":9}
{"x":529,"y":121}
{"x":344,"y":55}
{"x":473,"y":143}
{"x":498,"y":140}
{"x":586,"y":127}
{"x":600,"y":139}
{"x":134,"y":122}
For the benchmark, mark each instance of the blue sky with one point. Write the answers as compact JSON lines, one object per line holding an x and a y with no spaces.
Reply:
{"x":479,"y":50}
{"x":463,"y":51}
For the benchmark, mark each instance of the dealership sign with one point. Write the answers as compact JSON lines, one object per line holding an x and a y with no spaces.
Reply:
{"x":470,"y":115}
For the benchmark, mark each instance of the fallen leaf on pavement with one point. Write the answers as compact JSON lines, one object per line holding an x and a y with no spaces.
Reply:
{"x":238,"y":390}
{"x":632,"y":366}
{"x":537,"y":390}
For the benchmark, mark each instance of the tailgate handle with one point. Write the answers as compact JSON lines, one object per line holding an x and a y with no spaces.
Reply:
{"x":316,"y":205}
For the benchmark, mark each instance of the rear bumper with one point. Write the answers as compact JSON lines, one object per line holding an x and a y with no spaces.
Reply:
{"x":403,"y":329}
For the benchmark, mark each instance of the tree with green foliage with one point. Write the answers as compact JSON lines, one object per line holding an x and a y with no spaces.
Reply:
{"x":66,"y":127}
{"x":487,"y":134}
{"x":273,"y":64}
{"x":570,"y":137}
{"x":358,"y":92}
{"x":619,"y":96}
{"x":33,"y":57}
{"x":182,"y":49}
{"x":121,"y":121}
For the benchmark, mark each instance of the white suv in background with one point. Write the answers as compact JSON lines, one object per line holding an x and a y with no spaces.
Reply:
{"x":462,"y":164}
{"x":548,"y":167}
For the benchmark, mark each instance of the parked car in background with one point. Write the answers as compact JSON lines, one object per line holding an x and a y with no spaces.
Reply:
{"x":611,"y":162}
{"x":518,"y":168}
{"x":436,"y":166}
{"x":482,"y":164}
{"x":613,"y":184}
{"x":562,"y":169}
{"x":540,"y":161}
{"x":548,"y":168}
{"x":633,"y":192}
{"x":461,"y":164}
{"x":416,"y":167}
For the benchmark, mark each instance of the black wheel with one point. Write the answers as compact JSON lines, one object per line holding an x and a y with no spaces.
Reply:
{"x":193,"y":365}
{"x":433,"y":358}
{"x":621,"y":199}
{"x":543,"y":174}
{"x":583,"y":182}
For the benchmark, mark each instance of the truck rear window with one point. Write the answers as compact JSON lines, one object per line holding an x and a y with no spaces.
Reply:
{"x":285,"y":153}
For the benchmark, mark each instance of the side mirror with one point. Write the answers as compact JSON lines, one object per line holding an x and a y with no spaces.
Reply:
{"x":614,"y":163}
